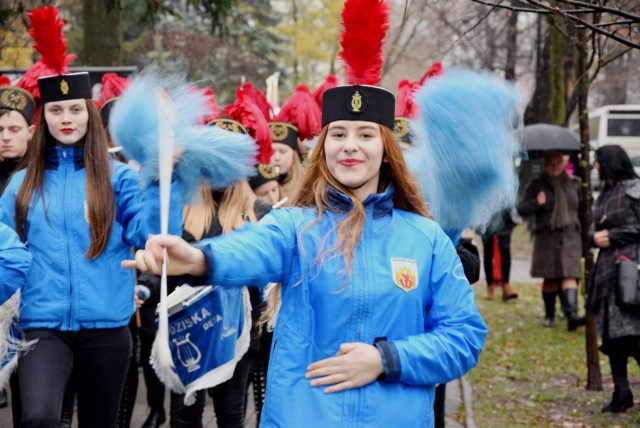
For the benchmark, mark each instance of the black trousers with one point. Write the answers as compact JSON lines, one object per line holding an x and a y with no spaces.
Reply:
{"x":147,"y":334}
{"x":504,"y":245}
{"x":229,"y":401}
{"x":98,"y":359}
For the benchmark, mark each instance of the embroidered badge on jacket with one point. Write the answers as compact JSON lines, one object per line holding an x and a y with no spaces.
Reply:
{"x":405,"y":273}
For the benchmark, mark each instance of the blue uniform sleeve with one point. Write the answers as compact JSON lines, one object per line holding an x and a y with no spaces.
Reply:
{"x":454,"y":329}
{"x":15,"y":261}
{"x":8,"y":200}
{"x":138,"y":210}
{"x":256,"y":254}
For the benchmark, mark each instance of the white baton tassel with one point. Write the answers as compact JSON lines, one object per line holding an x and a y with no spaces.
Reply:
{"x":161,"y":359}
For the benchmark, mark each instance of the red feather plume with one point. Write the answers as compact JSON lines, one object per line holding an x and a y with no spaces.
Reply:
{"x":46,"y":31}
{"x":330,"y":82}
{"x":405,"y":106}
{"x":302,"y":111}
{"x":259,"y":98}
{"x":5,"y":81}
{"x":364,"y":26}
{"x":433,"y":71}
{"x":113,"y":86}
{"x":245,"y":111}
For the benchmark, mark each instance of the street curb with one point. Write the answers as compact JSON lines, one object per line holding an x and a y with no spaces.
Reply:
{"x":467,"y":400}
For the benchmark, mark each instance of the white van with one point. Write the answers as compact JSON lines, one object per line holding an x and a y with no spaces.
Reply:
{"x":616,"y":124}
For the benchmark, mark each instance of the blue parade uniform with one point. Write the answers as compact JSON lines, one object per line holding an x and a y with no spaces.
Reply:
{"x":410,"y":299}
{"x":15,"y":260}
{"x":65,"y":290}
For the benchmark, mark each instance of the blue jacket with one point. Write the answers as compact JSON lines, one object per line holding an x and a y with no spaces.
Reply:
{"x":15,"y":260}
{"x":64,"y":289}
{"x":407,"y":294}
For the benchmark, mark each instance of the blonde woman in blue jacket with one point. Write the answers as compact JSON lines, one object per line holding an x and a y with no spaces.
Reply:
{"x":79,"y":213}
{"x":375,"y":306}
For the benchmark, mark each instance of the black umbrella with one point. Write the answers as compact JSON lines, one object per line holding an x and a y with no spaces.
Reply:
{"x":543,"y":136}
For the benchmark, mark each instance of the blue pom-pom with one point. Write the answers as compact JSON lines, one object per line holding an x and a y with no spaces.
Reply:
{"x":464,"y":146}
{"x":210,"y":154}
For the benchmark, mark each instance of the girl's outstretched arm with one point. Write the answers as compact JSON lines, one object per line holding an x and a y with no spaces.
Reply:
{"x":182,"y":257}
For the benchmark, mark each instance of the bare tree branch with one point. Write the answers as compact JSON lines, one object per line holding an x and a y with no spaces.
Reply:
{"x":569,"y":14}
{"x":599,"y":8}
{"x":611,"y":23}
{"x":526,"y":9}
{"x":480,"y":21}
{"x":585,"y":23}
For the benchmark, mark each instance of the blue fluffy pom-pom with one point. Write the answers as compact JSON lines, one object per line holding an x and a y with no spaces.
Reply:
{"x":209,"y":154}
{"x":464,"y":147}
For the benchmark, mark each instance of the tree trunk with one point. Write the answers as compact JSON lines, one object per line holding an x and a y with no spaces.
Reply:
{"x":557,"y":71}
{"x":102,"y":25}
{"x":538,"y":110}
{"x":594,"y":377}
{"x":512,"y":43}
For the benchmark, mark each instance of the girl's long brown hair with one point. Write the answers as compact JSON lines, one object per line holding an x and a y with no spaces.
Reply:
{"x":313,"y":193}
{"x":100,"y":203}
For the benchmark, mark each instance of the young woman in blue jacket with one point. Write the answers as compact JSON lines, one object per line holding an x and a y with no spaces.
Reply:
{"x":79,"y":213}
{"x":375,"y":306}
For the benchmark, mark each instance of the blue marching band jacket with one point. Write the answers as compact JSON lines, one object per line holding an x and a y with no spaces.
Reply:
{"x":406,"y":293}
{"x":64,"y":290}
{"x":15,"y":260}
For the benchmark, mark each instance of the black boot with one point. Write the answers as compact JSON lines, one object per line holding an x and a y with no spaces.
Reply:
{"x":621,"y":401}
{"x":155,"y":419}
{"x":570,"y":298}
{"x":549,"y":308}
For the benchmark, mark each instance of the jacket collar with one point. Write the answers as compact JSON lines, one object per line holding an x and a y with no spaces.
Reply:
{"x":7,"y":166}
{"x":57,"y":156}
{"x":382,"y":203}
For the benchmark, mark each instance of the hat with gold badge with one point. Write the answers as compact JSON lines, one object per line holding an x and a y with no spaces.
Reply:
{"x":364,"y":26}
{"x":48,"y":79}
{"x":18,"y":99}
{"x":64,"y":87}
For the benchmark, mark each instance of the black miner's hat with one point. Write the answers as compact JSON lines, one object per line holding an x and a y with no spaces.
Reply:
{"x":364,"y":26}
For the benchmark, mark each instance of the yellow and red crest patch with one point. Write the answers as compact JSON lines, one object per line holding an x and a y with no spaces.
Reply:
{"x":405,"y":273}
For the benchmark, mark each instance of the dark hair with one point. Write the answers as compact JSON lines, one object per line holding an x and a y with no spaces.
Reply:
{"x":101,"y":206}
{"x":614,"y":163}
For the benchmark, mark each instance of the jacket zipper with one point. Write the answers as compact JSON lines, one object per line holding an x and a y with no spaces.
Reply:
{"x":66,"y":238}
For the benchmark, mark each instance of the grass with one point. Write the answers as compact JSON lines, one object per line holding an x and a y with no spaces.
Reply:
{"x":531,"y":376}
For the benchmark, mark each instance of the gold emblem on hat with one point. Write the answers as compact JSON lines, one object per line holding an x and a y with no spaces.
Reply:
{"x":14,"y":100}
{"x":401,"y":126}
{"x":229,"y":125}
{"x":356,"y":102}
{"x":279,"y":131}
{"x":267,"y":171}
{"x":64,"y":87}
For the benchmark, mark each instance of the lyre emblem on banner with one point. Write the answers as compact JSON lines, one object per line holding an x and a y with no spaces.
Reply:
{"x":188,"y":353}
